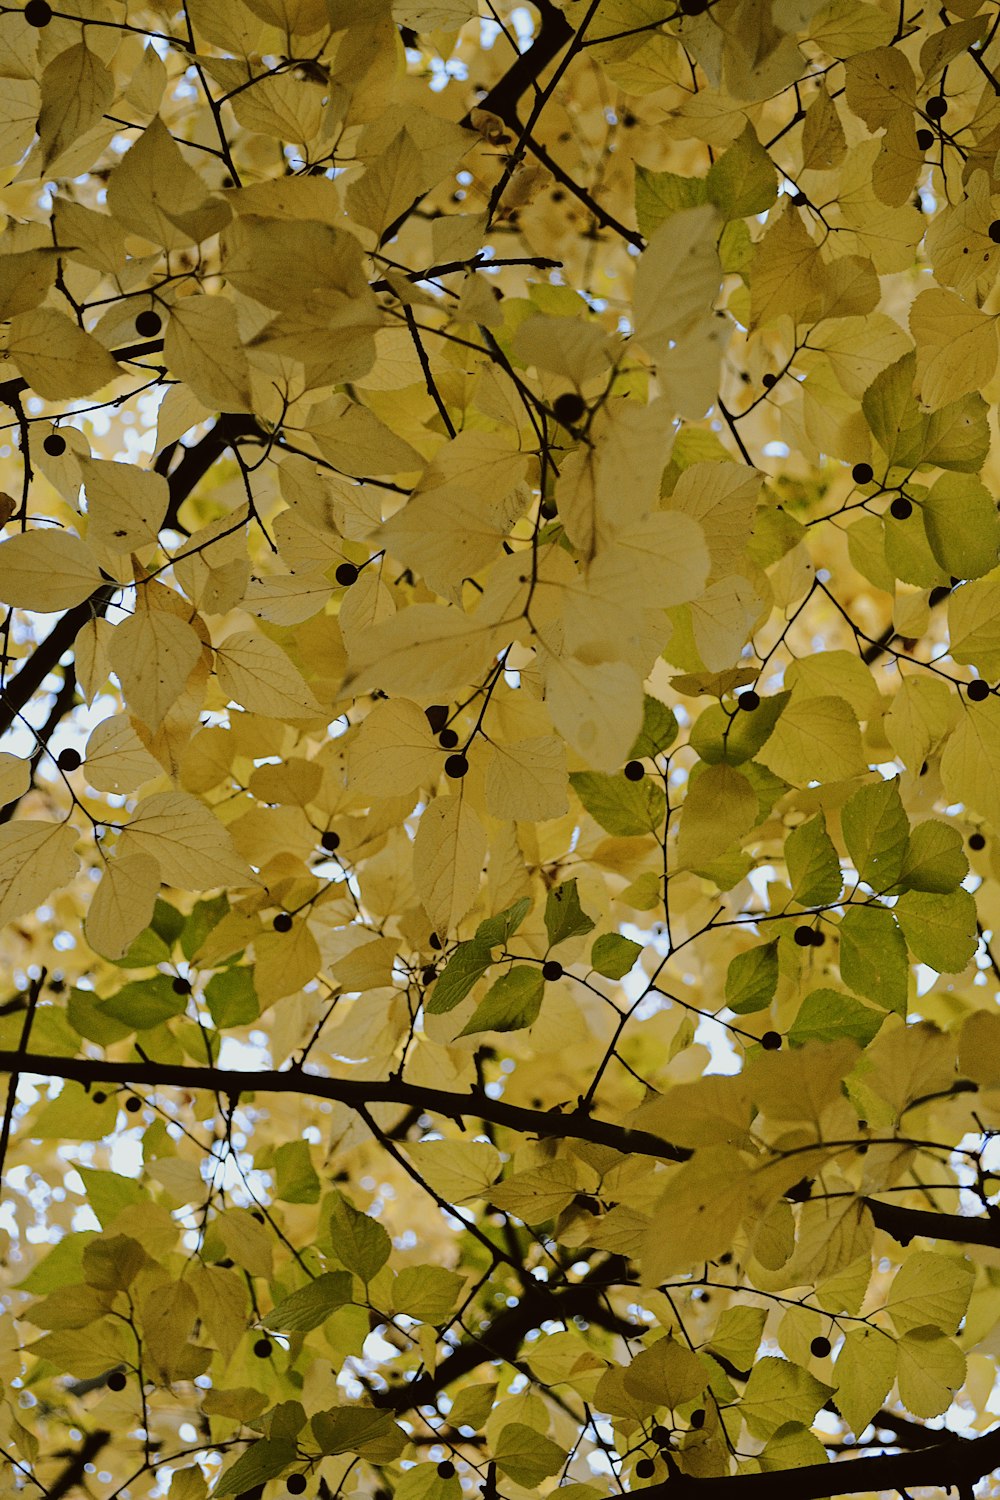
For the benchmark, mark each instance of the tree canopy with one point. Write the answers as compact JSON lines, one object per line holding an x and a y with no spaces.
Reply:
{"x":500,"y":791}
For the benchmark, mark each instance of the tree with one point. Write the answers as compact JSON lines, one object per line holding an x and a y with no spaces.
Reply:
{"x":502,"y":772}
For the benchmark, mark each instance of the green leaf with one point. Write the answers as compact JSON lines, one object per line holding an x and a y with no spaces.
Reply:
{"x":498,"y":929}
{"x":564,"y":916}
{"x":167,"y":923}
{"x":658,"y":732}
{"x":527,"y":1456}
{"x":735,"y":738}
{"x":145,"y":951}
{"x":935,"y":859}
{"x":752,"y":979}
{"x":659,"y":195}
{"x":940,"y":928}
{"x":828,"y":1015}
{"x":931,"y":1368}
{"x":203,"y":917}
{"x":87,"y":1016}
{"x":359,"y":1429}
{"x":231,"y":997}
{"x":743,"y":180}
{"x":738,"y":1334}
{"x":865,"y":1370}
{"x":813,"y":866}
{"x":263,"y":1460}
{"x":108,"y":1193}
{"x":511,"y":1004}
{"x":962,"y":525}
{"x":311,"y":1305}
{"x":779,"y":1392}
{"x":145,"y":1003}
{"x":873,"y":959}
{"x":623,"y":808}
{"x":73,"y":1115}
{"x":297,"y":1181}
{"x":876,"y":832}
{"x":359,"y":1242}
{"x":613,"y":955}
{"x":461,"y":973}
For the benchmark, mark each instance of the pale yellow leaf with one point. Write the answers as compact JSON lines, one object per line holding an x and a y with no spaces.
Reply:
{"x":527,"y":780}
{"x":388,"y":185}
{"x":596,"y":706}
{"x":428,"y":649}
{"x":15,"y":778}
{"x":677,"y":278}
{"x":77,"y":87}
{"x":815,"y":739}
{"x":256,"y":673}
{"x":125,"y":505}
{"x":122,"y":905}
{"x":957,"y":347}
{"x":47,"y":571}
{"x":35,"y":859}
{"x":56,"y":357}
{"x":116,"y":758}
{"x":154,"y":193}
{"x":970,"y":761}
{"x":393,"y":751}
{"x":203,"y":347}
{"x":459,"y":1170}
{"x":153,"y":654}
{"x":448,"y":855}
{"x":192,"y":848}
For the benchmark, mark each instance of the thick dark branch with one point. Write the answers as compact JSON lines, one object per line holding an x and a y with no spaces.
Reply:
{"x":904,"y":1224}
{"x":957,"y":1461}
{"x":75,"y":1471}
{"x":361,"y":1094}
{"x":503,"y":1338}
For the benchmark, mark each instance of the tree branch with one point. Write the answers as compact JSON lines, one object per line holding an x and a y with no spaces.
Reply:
{"x":230,"y":1082}
{"x":957,"y":1461}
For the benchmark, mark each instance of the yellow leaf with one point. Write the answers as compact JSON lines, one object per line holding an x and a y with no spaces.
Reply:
{"x":720,"y":807}
{"x":122,"y":905}
{"x":393,"y":751}
{"x":428,"y":649}
{"x":388,"y":185}
{"x":448,"y":855}
{"x":117,"y":760}
{"x":192,"y":848}
{"x":154,"y":193}
{"x":596,"y":706}
{"x":77,"y":87}
{"x":125,"y":505}
{"x":460,"y":1171}
{"x":153,"y":654}
{"x":815,"y":739}
{"x":56,"y":357}
{"x":527,"y":780}
{"x":47,"y":571}
{"x":35,"y":859}
{"x":970,"y":761}
{"x":677,"y":278}
{"x":698,"y":1214}
{"x":203,"y":347}
{"x":15,"y":778}
{"x":957,"y":347}
{"x":257,"y":674}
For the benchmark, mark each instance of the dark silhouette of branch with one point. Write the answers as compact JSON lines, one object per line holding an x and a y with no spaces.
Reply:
{"x":956,"y":1461}
{"x":74,"y":1471}
{"x":503,"y":1338}
{"x":362,"y":1093}
{"x":34,"y":991}
{"x":904,"y":1224}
